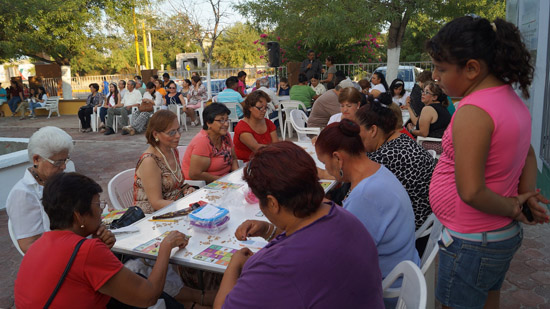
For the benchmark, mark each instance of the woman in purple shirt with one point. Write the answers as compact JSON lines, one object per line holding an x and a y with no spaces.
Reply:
{"x":320,"y":255}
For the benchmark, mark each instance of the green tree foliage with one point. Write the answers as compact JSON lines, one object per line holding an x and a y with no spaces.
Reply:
{"x":236,"y":47}
{"x":327,"y":26}
{"x":427,"y":22}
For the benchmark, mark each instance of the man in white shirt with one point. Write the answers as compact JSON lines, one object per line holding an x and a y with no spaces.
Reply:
{"x":124,"y":108}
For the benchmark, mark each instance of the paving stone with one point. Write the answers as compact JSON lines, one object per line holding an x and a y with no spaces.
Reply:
{"x":542,"y":277}
{"x":527,"y":298}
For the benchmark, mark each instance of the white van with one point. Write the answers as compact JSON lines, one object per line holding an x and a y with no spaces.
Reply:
{"x":407,"y":73}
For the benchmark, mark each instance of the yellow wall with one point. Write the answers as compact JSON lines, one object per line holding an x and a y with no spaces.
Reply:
{"x":66,"y":107}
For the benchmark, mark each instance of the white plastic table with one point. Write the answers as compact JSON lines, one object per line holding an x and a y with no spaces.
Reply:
{"x":232,"y":199}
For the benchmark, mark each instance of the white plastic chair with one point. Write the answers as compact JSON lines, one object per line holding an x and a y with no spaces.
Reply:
{"x":13,"y":239}
{"x":426,"y":227}
{"x":52,"y":105}
{"x":287,"y":107}
{"x":233,"y":117}
{"x":121,"y":189}
{"x":117,"y":117}
{"x":199,"y":111}
{"x":412,"y":293}
{"x":94,"y":121}
{"x":427,"y":260}
{"x":279,"y":116}
{"x":429,"y":140}
{"x":298,"y":119}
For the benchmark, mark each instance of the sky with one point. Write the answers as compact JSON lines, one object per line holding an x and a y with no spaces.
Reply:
{"x":203,"y":10}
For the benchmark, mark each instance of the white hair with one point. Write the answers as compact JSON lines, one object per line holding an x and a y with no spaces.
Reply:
{"x":49,"y":141}
{"x":264,"y":82}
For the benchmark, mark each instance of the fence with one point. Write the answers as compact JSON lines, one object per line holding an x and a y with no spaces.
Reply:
{"x":355,"y":71}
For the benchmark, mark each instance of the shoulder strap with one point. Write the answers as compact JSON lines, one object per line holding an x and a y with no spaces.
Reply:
{"x":65,"y":272}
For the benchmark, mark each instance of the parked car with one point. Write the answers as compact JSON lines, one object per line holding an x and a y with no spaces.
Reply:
{"x":407,"y":73}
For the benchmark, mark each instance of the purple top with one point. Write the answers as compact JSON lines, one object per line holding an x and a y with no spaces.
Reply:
{"x":331,"y":263}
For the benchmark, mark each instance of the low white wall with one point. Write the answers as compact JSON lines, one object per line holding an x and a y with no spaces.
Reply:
{"x":12,"y":168}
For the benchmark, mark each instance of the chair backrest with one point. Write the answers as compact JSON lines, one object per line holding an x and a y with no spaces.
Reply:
{"x":293,"y":104}
{"x":435,"y":233}
{"x":13,"y":239}
{"x":52,"y":101}
{"x":432,"y":152}
{"x":121,"y":189}
{"x":413,"y":292}
{"x":298,"y":119}
{"x":426,"y":227}
{"x":232,"y":106}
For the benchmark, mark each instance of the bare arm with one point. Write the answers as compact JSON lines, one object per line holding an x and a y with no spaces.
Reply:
{"x":274,"y":137}
{"x":249,"y":141}
{"x":235,"y":161}
{"x":472,"y":130}
{"x":25,"y":243}
{"x":231,"y":275}
{"x":198,"y":167}
{"x":528,"y":182}
{"x":427,"y":117}
{"x":151,"y":178}
{"x":131,"y":289}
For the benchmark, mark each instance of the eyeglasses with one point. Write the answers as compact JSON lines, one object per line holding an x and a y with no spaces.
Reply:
{"x":172,"y":88}
{"x":57,"y":163}
{"x":223,"y":121}
{"x":261,"y":109}
{"x":102,"y":204}
{"x":172,"y":133}
{"x":426,"y":92}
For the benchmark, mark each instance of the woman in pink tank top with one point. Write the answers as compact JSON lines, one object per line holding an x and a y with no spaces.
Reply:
{"x":487,"y":171}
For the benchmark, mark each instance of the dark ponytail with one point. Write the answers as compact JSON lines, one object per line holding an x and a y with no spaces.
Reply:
{"x":498,"y":44}
{"x":378,"y":112}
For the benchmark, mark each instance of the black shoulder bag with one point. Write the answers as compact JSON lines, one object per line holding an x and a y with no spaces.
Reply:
{"x":65,"y":272}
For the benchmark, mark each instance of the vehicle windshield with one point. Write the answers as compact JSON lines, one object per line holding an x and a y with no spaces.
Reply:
{"x":405,"y":75}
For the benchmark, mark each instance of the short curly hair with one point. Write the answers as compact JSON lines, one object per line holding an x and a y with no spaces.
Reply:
{"x":251,"y":101}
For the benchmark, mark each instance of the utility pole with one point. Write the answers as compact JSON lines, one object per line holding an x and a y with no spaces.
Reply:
{"x":151,"y":51}
{"x":145,"y":46}
{"x":138,"y":68}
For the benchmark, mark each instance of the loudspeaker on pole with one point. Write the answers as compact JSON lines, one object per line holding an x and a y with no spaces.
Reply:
{"x":274,"y":54}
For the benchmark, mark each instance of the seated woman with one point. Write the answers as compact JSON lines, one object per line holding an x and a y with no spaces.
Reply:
{"x":434,"y":117}
{"x":376,"y":196}
{"x":111,"y":100}
{"x":185,"y":86}
{"x":95,"y":99}
{"x":379,"y":84}
{"x":49,"y":150}
{"x":291,"y":198}
{"x":73,"y":206}
{"x":254,"y":130}
{"x":159,"y":88}
{"x":195,"y":97}
{"x":159,"y":180}
{"x":302,"y":92}
{"x":151,"y":98}
{"x":210,"y":155}
{"x":174,"y":98}
{"x":408,"y":161}
{"x":398,"y":92}
{"x":350,"y":101}
{"x":25,"y":104}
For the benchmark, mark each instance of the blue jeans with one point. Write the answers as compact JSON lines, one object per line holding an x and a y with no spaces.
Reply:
{"x":468,"y":270}
{"x":33,"y":105}
{"x":13,"y":103}
{"x":103,"y":113}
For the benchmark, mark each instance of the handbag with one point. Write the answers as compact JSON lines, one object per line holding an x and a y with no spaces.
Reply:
{"x":133,"y":214}
{"x":145,"y":107}
{"x":65,"y":272}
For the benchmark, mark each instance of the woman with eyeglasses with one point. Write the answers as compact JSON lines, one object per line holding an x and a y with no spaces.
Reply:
{"x":174,"y":98}
{"x":159,"y":180}
{"x":96,"y":278}
{"x":254,"y":130}
{"x":434,"y":117}
{"x":48,"y":150}
{"x":210,"y":155}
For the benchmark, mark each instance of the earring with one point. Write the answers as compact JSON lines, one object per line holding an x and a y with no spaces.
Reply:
{"x":82,"y":226}
{"x":156,"y":140}
{"x":341,"y":173}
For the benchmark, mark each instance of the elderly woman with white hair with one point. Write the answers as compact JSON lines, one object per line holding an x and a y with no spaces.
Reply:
{"x":49,"y":150}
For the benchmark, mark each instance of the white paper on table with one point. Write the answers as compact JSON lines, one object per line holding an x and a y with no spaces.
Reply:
{"x":207,"y":212}
{"x":126,"y":229}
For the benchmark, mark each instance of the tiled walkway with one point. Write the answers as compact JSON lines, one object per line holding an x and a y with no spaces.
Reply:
{"x":101,"y":157}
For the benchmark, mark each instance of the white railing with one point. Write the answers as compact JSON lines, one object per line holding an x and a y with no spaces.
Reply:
{"x":81,"y":90}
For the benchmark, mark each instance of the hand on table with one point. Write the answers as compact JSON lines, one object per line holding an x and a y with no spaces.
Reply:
{"x":410,"y":127}
{"x":106,"y":236}
{"x":175,"y":239}
{"x":188,"y":190}
{"x":251,"y":228}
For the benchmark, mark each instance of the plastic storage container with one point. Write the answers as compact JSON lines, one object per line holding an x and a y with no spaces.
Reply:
{"x":209,"y":219}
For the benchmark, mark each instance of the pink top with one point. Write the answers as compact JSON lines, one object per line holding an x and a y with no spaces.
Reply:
{"x":220,"y":159}
{"x":507,"y":153}
{"x":241,"y":87}
{"x":241,"y":150}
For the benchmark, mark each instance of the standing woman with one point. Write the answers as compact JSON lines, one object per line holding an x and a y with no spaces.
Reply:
{"x":331,"y":70}
{"x":94,"y":100}
{"x":379,"y":84}
{"x":434,"y":117}
{"x":487,"y":172}
{"x":111,"y":100}
{"x":195,"y":97}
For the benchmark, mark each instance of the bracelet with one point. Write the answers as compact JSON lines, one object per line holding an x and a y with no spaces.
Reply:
{"x":272,"y":233}
{"x":267,"y":232}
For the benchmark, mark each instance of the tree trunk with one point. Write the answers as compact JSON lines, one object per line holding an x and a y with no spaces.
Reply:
{"x":208,"y":80}
{"x":66,"y":82}
{"x":395,"y":38}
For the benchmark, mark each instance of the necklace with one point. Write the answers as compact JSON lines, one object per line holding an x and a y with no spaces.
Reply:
{"x":35,"y":175}
{"x":180,"y":178}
